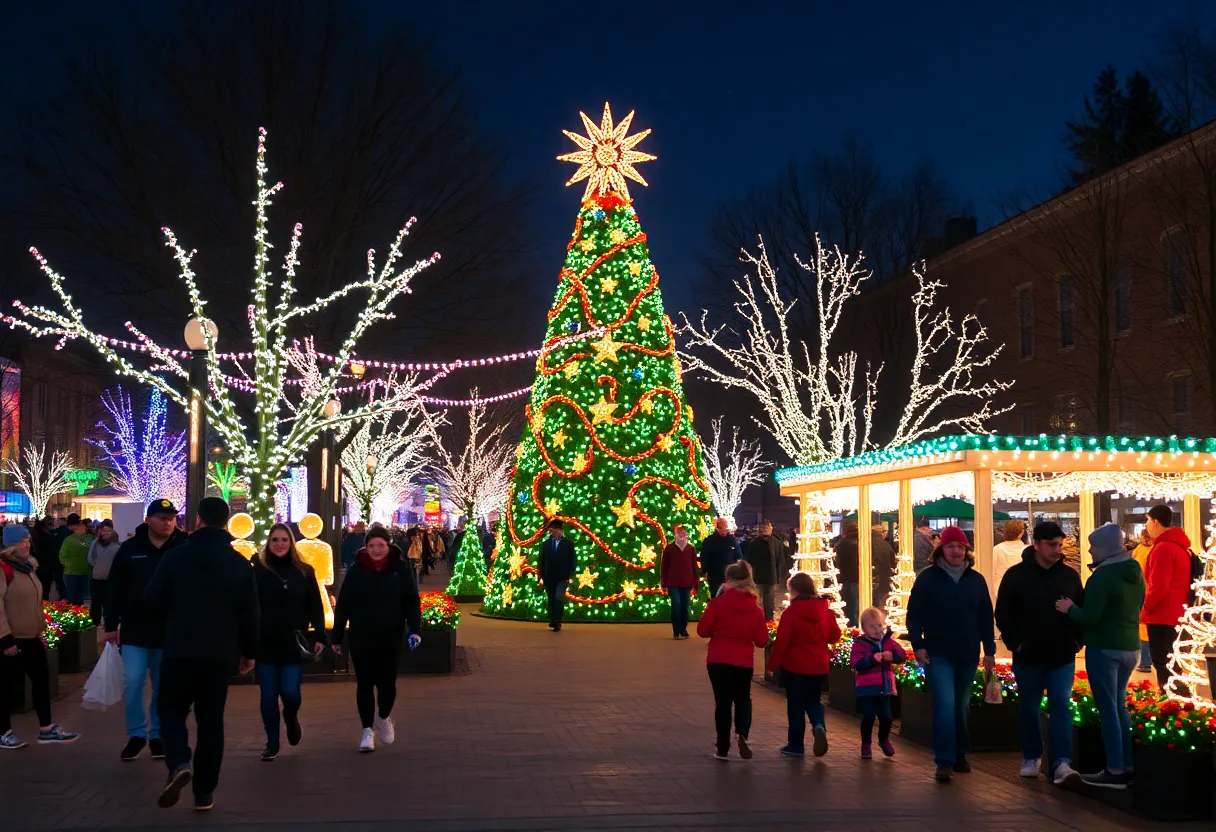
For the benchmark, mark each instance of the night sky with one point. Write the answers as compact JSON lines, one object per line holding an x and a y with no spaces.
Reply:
{"x":734,"y":95}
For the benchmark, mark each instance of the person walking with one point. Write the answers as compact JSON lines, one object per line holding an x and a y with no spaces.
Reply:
{"x":51,"y":570}
{"x":805,"y":634}
{"x":1009,"y":552}
{"x":556,"y":567}
{"x":873,"y":657}
{"x":206,"y":591}
{"x":1044,"y":644}
{"x":74,"y":560}
{"x":22,"y":652}
{"x":1167,"y":587}
{"x":734,"y":624}
{"x":718,"y":551}
{"x":1144,"y":545}
{"x":290,"y":604}
{"x":922,"y":545}
{"x":678,"y":575}
{"x":1109,"y":617}
{"x":413,"y":551}
{"x":764,"y":555}
{"x":379,"y":599}
{"x":132,"y":624}
{"x":949,"y":618}
{"x":101,"y":558}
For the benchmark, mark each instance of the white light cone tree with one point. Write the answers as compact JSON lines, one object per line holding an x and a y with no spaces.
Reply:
{"x":146,"y":461}
{"x":1188,"y":667}
{"x":39,"y":476}
{"x":478,"y":480}
{"x":384,"y":457}
{"x":730,"y":470}
{"x":818,"y":404}
{"x":288,"y":413}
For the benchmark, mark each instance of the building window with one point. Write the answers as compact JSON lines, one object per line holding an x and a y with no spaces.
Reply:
{"x":1066,"y":287}
{"x":1175,"y":269}
{"x":1123,"y":302}
{"x":1026,"y":321}
{"x":1028,"y":424}
{"x":1064,"y":418}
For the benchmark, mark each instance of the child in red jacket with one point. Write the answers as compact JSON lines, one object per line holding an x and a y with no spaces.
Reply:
{"x":873,"y":658}
{"x":806,"y":631}
{"x":734,"y":624}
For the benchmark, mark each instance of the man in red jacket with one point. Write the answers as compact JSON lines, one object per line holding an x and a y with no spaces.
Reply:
{"x":1167,"y":576}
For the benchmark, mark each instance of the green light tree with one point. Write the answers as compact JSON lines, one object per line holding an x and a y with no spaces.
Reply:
{"x":609,"y":446}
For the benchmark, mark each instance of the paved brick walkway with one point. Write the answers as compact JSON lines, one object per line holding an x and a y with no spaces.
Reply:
{"x":596,"y":727}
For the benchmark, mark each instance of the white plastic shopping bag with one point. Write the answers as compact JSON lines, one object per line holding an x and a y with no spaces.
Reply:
{"x":104,"y":686}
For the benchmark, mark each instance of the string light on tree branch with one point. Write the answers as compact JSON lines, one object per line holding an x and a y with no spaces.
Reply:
{"x":40,"y":477}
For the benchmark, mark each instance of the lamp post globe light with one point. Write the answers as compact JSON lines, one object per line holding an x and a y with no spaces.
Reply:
{"x":198,"y":332}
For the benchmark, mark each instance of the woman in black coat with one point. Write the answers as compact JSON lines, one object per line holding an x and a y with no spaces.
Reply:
{"x":379,"y":598}
{"x":291,"y":603}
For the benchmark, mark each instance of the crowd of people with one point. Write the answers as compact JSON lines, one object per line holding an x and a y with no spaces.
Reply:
{"x":188,"y":612}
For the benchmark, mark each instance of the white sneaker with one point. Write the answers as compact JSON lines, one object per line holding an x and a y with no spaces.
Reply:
{"x":1065,"y":775}
{"x":1030,"y":768}
{"x":387,"y":734}
{"x":368,"y":743}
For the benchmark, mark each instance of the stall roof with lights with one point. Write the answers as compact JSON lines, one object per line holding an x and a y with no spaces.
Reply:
{"x":1016,"y":468}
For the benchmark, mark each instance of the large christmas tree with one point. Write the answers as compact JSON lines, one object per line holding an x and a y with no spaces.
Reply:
{"x":609,"y":447}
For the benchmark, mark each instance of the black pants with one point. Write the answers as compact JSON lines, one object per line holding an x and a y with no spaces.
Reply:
{"x":99,"y":600}
{"x":29,"y":661}
{"x":715,"y":583}
{"x":375,"y":677}
{"x":52,"y":574}
{"x":1160,"y":644}
{"x":871,"y":707}
{"x":555,"y":591}
{"x":803,"y":701}
{"x":203,"y":686}
{"x":732,"y":686}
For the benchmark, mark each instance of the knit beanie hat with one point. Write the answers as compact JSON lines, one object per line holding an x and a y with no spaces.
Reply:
{"x":14,"y":533}
{"x":953,"y":534}
{"x":1106,"y":541}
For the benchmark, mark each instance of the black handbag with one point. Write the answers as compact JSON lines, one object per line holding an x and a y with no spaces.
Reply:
{"x":304,"y":645}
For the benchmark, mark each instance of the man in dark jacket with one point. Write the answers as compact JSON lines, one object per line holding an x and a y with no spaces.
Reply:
{"x":556,"y":567}
{"x":718,"y":551}
{"x":1044,"y":644}
{"x":764,"y":553}
{"x":131,"y":622}
{"x":848,"y":561}
{"x":207,"y":593}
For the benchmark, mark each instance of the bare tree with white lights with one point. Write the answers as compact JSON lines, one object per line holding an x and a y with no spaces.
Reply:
{"x":730,"y":470}
{"x":40,"y":478}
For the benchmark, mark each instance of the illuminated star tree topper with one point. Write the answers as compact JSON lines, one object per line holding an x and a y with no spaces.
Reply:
{"x":607,"y":156}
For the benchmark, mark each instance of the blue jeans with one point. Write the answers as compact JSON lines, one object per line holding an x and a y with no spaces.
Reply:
{"x":950,"y":687}
{"x":679,"y":596}
{"x":137,"y":664}
{"x":77,"y":587}
{"x":803,"y":701}
{"x":1057,"y":681}
{"x":279,"y":681}
{"x":1109,"y":672}
{"x":1146,"y":658}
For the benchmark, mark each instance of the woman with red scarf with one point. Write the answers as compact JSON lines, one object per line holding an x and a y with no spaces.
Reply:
{"x":379,"y":598}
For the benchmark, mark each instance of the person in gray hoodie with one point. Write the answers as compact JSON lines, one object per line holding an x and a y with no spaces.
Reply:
{"x":101,"y":556}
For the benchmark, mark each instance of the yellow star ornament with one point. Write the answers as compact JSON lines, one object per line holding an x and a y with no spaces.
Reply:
{"x":626,"y":514}
{"x":663,"y":443}
{"x":647,"y":554}
{"x":680,"y":502}
{"x":606,"y":348}
{"x":617,"y":235}
{"x":601,"y":411}
{"x":552,"y":507}
{"x":635,"y":268}
{"x":517,"y":567}
{"x":587,"y":577}
{"x":608,"y":286}
{"x":606,"y":156}
{"x":587,"y":245}
{"x":630,"y":589}
{"x":558,"y":438}
{"x":643,"y":323}
{"x":508,"y":595}
{"x":571,"y":369}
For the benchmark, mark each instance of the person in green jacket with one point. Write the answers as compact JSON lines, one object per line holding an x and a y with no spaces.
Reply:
{"x":74,"y":555}
{"x":1110,"y":618}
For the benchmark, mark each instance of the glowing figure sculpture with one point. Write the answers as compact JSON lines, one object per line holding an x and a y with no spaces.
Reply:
{"x":320,"y":556}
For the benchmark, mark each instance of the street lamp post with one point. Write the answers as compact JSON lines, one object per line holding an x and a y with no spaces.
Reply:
{"x":198,"y":332}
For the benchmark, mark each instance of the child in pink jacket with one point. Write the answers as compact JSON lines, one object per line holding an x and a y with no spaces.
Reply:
{"x":873,"y":658}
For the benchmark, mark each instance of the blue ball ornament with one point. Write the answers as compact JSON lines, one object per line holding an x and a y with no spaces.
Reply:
{"x":599,"y":214}
{"x":573,"y":326}
{"x":630,"y":468}
{"x":637,"y":373}
{"x":522,"y":497}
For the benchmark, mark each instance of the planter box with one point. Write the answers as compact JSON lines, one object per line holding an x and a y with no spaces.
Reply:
{"x":436,"y":654}
{"x":78,"y":651}
{"x":17,"y":692}
{"x":1173,"y":785}
{"x":991,"y":727}
{"x":1088,"y":751}
{"x":841,"y":695}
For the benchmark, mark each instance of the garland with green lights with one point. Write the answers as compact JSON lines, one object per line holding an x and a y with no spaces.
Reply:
{"x":609,"y":447}
{"x":468,"y":568}
{"x":972,"y":442}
